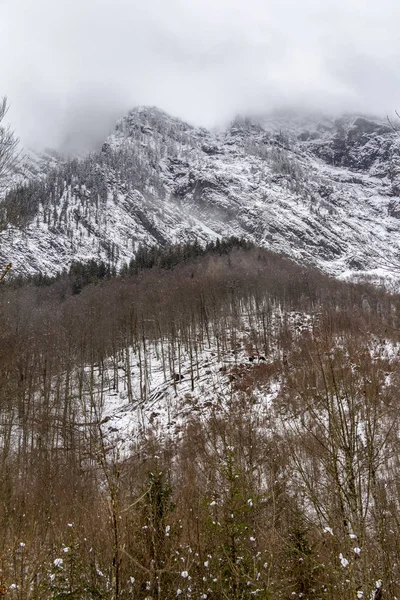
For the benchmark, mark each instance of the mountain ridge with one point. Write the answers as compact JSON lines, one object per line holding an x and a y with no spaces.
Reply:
{"x":323,"y":191}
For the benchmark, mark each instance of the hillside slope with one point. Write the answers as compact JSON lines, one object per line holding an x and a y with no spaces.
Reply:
{"x":322,"y":191}
{"x":237,"y":414}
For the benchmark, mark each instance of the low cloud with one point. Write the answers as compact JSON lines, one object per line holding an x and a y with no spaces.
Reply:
{"x":71,"y":67}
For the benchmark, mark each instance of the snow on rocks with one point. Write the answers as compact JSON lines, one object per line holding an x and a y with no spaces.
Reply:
{"x":276,"y":181}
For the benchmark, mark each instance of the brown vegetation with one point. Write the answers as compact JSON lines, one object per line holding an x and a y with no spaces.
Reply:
{"x":246,"y":502}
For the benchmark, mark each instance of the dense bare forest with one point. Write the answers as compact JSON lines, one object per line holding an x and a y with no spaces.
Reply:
{"x":283,"y":484}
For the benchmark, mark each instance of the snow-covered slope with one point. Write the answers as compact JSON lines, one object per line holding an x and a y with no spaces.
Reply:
{"x":324,"y":191}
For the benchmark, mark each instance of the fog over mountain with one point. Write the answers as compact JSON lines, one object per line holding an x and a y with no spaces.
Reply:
{"x":71,"y":68}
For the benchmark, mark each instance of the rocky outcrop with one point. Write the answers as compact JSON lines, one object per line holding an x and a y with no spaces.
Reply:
{"x":320,"y":190}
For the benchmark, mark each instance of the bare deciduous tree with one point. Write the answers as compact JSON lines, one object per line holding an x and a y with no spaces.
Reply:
{"x":9,"y":155}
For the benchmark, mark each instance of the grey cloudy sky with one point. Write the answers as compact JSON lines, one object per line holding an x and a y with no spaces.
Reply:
{"x":71,"y":67}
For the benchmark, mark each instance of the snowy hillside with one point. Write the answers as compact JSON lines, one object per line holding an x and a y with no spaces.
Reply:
{"x":236,"y":401}
{"x":322,"y":191}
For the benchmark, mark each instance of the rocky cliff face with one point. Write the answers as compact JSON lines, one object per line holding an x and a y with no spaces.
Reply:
{"x":320,"y":190}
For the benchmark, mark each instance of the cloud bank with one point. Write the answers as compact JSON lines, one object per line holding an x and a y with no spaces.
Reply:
{"x":71,"y":67}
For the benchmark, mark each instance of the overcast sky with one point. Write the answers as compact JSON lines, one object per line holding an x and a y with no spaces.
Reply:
{"x":71,"y":67}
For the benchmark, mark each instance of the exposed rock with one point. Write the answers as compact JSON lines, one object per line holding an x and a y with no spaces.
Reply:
{"x":394,"y":208}
{"x":313,"y":188}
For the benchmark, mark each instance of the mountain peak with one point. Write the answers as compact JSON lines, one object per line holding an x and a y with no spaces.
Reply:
{"x":315,"y":189}
{"x":149,"y":119}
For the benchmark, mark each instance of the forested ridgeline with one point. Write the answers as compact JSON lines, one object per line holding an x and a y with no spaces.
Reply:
{"x":81,"y":274}
{"x":297,"y":497}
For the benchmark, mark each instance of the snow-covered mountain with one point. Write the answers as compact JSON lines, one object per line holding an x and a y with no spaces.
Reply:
{"x":323,"y":191}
